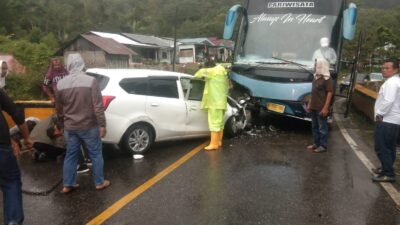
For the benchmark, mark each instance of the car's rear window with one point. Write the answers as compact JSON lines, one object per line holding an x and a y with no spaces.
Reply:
{"x":137,"y":86}
{"x":102,"y":81}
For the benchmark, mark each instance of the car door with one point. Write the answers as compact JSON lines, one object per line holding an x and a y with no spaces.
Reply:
{"x":165,"y":107}
{"x":197,"y":121}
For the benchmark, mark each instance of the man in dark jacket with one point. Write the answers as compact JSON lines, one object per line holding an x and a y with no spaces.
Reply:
{"x":10,"y":176}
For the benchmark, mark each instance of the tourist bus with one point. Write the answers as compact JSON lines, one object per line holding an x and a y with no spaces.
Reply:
{"x":276,"y":43}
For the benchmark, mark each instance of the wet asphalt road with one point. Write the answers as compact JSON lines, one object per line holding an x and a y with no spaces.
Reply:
{"x":260,"y":177}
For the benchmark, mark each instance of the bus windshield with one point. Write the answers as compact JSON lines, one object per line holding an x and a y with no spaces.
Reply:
{"x":290,"y":35}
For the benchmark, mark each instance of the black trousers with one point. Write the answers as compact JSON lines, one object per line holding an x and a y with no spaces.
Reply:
{"x":52,"y":152}
{"x":385,"y":136}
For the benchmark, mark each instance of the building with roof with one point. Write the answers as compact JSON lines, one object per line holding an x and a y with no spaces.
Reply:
{"x":99,"y":51}
{"x":145,"y":52}
{"x":196,"y":49}
{"x":165,"y":51}
{"x":193,"y":50}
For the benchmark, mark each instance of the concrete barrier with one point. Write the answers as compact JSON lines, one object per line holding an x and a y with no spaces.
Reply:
{"x":38,"y":109}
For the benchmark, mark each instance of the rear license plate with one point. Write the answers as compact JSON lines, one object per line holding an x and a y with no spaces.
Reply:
{"x":276,"y":107}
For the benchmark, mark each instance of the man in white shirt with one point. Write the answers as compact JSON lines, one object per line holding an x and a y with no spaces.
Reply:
{"x":387,"y":118}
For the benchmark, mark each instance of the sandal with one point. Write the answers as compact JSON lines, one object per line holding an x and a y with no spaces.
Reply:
{"x":105,"y":184}
{"x":67,"y":190}
{"x":312,"y":147}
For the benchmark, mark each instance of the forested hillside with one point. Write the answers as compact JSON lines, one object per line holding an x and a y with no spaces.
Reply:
{"x":32,"y":30}
{"x":35,"y":18}
{"x":380,"y":4}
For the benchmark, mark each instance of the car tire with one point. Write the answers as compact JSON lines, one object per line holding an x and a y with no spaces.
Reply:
{"x":232,"y":128}
{"x":137,"y":139}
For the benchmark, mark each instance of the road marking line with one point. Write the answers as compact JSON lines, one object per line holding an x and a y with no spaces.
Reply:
{"x":110,"y":211}
{"x":389,"y":188}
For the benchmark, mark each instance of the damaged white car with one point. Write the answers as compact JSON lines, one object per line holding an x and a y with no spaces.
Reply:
{"x":147,"y":106}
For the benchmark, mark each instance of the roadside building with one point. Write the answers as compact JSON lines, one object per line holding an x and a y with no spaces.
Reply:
{"x":224,"y":48}
{"x":192,"y":50}
{"x":99,"y":51}
{"x":146,"y":53}
{"x":163,"y":48}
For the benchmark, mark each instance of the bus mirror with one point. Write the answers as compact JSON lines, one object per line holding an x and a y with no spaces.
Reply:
{"x":230,"y":21}
{"x":349,"y":21}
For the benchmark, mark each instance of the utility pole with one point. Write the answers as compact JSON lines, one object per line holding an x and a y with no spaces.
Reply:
{"x":175,"y":25}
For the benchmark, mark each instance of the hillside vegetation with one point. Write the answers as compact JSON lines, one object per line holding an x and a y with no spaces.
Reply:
{"x":33,"y":29}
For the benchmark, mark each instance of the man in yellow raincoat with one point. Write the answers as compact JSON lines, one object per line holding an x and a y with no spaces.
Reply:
{"x":214,"y":100}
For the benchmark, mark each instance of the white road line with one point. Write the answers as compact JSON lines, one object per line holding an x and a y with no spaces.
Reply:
{"x":389,"y":188}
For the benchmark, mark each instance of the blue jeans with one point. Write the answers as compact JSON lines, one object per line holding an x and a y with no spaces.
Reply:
{"x":75,"y":139}
{"x":385,"y":145}
{"x":10,"y":182}
{"x":319,"y":129}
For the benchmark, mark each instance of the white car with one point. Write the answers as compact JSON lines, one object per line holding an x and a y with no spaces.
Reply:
{"x":147,"y":106}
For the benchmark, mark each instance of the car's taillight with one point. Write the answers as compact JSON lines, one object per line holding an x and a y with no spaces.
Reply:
{"x":107,"y":100}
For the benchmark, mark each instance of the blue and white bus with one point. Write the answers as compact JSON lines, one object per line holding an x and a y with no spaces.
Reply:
{"x":276,"y":43}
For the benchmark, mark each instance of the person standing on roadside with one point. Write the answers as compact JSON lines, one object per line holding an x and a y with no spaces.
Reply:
{"x":55,"y":73}
{"x":10,"y":175}
{"x":80,"y":114}
{"x":3,"y":73}
{"x":321,"y":96}
{"x":214,"y":99}
{"x":387,"y":121}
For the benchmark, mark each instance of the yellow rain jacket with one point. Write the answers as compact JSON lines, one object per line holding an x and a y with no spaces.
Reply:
{"x":216,"y":87}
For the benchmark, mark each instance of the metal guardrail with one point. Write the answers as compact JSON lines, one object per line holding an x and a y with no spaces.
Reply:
{"x":366,"y":91}
{"x":364,"y":100}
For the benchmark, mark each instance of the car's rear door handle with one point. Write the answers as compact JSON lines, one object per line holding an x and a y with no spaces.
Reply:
{"x":154,"y":104}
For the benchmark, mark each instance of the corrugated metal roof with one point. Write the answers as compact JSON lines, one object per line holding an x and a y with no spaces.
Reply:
{"x":152,"y":40}
{"x":196,"y":41}
{"x":109,"y":45}
{"x":120,"y":39}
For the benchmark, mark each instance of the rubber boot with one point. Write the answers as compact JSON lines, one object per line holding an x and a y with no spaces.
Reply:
{"x":221,"y":137}
{"x":214,"y":141}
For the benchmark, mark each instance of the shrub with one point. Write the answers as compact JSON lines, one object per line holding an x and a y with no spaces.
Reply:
{"x":25,"y":86}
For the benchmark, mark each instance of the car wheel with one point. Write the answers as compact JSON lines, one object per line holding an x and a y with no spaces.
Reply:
{"x":234,"y":125}
{"x":137,"y":139}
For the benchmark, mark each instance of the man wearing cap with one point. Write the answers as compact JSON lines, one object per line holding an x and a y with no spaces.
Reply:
{"x":325,"y":52}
